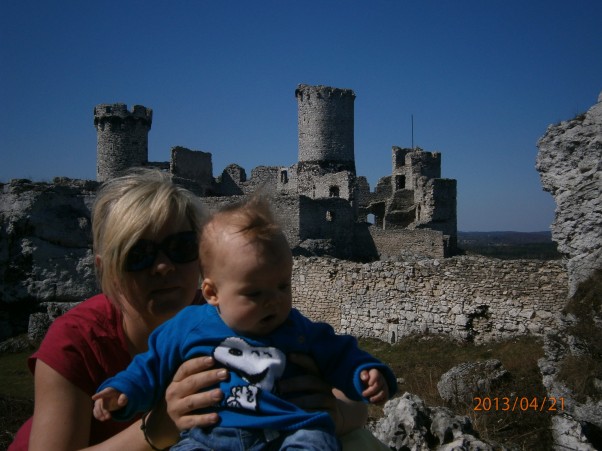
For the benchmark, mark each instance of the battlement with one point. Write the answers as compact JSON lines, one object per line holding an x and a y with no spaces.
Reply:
{"x":118,"y":112}
{"x":306,"y":92}
{"x":403,"y":156}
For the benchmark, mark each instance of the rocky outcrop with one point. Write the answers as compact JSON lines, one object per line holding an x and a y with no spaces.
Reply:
{"x":570,"y":166}
{"x":467,"y":380}
{"x":45,"y":244}
{"x":408,"y":424}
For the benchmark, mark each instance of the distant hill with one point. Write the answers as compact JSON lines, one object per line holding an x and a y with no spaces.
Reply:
{"x":509,"y":245}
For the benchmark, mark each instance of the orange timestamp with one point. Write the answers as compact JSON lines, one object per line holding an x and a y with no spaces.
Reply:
{"x":518,"y":403}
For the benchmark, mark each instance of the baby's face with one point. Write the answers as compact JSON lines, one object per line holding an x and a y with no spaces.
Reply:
{"x":253,"y":287}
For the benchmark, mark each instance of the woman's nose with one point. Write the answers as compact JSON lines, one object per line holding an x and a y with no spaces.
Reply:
{"x":162,"y":264}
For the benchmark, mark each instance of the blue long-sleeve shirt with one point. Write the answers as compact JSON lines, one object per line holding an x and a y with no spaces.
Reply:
{"x":255,"y":364}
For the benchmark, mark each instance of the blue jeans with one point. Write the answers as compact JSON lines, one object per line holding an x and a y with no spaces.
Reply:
{"x":232,"y":439}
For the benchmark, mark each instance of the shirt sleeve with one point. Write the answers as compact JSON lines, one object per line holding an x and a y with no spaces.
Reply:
{"x":84,"y":350}
{"x":341,"y":360}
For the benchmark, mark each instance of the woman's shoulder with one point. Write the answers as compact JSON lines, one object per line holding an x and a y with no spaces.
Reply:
{"x":96,"y":311}
{"x":85,"y":342}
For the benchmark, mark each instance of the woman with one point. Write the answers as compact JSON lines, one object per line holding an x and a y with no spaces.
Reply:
{"x":145,"y":233}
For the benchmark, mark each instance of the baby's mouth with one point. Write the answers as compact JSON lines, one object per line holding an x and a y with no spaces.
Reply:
{"x":268,"y":318}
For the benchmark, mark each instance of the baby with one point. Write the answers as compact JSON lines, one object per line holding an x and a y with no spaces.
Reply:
{"x":249,"y":326}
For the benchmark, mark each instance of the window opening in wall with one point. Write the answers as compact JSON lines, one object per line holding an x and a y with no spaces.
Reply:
{"x":334,"y":191}
{"x":400,"y":182}
{"x":329,"y":216}
{"x":284,"y":176}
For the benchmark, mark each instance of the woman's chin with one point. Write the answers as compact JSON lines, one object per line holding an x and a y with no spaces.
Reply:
{"x":166,"y":303}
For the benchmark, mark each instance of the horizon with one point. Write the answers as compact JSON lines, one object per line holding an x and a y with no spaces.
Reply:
{"x":478,"y":82}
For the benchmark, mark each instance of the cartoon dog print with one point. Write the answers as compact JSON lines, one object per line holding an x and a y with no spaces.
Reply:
{"x":260,"y":367}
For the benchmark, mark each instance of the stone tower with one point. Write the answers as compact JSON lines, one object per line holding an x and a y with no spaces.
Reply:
{"x":325,"y":119}
{"x":326,"y":164}
{"x":122,"y":138}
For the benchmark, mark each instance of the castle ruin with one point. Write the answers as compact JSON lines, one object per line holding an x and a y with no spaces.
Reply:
{"x":321,"y":203}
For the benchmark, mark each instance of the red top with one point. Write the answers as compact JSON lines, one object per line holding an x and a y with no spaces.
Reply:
{"x":86,"y":345}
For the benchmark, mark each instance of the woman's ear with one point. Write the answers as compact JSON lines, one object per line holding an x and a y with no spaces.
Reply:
{"x":97,"y":262}
{"x":209,"y":291}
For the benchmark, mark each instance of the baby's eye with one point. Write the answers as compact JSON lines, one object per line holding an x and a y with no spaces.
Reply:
{"x":253,"y":294}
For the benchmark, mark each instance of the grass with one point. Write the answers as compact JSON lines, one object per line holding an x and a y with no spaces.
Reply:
{"x":16,"y":395}
{"x":421,"y":361}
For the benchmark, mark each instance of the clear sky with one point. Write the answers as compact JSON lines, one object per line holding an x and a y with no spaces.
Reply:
{"x":482,"y":79}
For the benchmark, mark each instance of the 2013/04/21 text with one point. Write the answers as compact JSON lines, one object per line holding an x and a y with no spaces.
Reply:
{"x":518,"y":403}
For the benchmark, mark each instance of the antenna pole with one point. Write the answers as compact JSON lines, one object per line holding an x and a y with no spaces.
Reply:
{"x":412,"y":132}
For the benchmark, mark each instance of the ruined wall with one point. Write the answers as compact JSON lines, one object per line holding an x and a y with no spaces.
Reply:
{"x":469,"y":298}
{"x":400,"y":244}
{"x":285,"y":209}
{"x":193,"y":165}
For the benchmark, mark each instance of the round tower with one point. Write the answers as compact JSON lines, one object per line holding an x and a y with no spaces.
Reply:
{"x":122,"y":138}
{"x":325,"y":120}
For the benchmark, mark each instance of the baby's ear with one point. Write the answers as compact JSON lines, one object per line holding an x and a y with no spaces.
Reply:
{"x":209,"y":291}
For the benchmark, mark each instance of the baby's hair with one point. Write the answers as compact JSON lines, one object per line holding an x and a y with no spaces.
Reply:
{"x":250,"y":217}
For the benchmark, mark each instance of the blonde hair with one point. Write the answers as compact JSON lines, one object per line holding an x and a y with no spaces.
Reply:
{"x":251,"y":218}
{"x":126,"y":207}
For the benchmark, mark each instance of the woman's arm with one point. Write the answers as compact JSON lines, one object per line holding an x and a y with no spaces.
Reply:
{"x":63,"y":412}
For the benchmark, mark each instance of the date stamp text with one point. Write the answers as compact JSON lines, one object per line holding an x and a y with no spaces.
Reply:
{"x":518,"y":403}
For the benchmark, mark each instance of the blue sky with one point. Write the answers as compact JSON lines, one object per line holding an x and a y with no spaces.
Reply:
{"x":482,"y":79}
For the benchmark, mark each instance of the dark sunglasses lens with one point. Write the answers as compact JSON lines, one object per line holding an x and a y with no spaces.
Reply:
{"x":179,"y":248}
{"x":182,"y":247}
{"x":141,"y":256}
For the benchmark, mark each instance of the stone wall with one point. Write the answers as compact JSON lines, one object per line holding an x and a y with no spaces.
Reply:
{"x":397,"y":244}
{"x":468,"y":298}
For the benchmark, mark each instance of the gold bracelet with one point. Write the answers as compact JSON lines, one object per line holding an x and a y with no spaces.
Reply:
{"x":144,"y":430}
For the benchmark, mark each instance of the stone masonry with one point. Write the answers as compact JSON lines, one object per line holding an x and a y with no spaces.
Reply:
{"x":468,"y":298}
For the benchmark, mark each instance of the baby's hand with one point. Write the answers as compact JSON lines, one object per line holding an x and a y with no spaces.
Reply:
{"x":106,"y":401}
{"x":377,"y":390}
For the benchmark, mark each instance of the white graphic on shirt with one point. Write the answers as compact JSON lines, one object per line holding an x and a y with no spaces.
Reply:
{"x":261,"y":367}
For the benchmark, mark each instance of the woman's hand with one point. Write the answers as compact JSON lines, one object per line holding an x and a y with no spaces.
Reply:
{"x":183,"y":396}
{"x":346,"y":414}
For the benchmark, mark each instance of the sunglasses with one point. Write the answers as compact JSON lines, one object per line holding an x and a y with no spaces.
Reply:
{"x":180,"y":248}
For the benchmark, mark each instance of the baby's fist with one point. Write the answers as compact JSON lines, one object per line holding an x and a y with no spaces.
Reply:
{"x":377,"y":390}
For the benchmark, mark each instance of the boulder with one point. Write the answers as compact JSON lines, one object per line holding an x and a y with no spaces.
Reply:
{"x":467,"y":380}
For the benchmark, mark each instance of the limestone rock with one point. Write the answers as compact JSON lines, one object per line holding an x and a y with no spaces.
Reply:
{"x":408,"y":424}
{"x":467,"y":380}
{"x":570,"y":166}
{"x":45,"y":242}
{"x":568,"y":434}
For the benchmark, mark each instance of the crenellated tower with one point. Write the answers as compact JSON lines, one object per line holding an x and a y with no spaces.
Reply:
{"x":326,"y":120}
{"x":326,"y":164}
{"x":122,"y":138}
